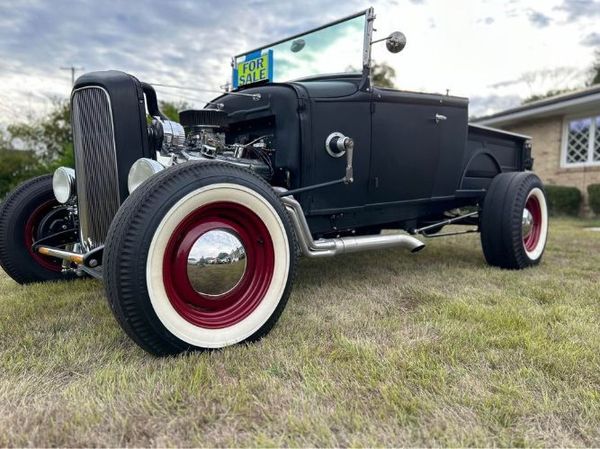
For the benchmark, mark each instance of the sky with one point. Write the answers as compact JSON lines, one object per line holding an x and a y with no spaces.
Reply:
{"x":496,"y":52}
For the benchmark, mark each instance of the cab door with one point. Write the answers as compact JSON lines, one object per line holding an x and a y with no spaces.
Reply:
{"x":405,"y":149}
{"x":336,"y":107}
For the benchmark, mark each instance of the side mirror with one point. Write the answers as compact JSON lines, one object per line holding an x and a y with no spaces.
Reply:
{"x":395,"y":42}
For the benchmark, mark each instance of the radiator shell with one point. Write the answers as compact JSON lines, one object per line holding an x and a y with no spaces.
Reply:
{"x":108,"y":116}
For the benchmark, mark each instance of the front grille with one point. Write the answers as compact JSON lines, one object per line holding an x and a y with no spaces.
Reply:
{"x":95,"y":164}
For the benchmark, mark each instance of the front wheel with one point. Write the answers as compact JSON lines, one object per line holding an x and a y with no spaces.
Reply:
{"x":514,"y":221}
{"x":29,"y":213}
{"x":200,"y":256}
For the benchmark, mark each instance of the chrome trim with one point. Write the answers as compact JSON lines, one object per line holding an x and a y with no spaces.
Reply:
{"x":173,"y":136}
{"x":526,"y":223}
{"x":69,"y":177}
{"x":395,"y":42}
{"x":341,"y":245}
{"x":95,"y":163}
{"x":141,"y":170}
{"x":440,"y":118}
{"x":368,"y":38}
{"x":216,"y":263}
{"x":340,"y":148}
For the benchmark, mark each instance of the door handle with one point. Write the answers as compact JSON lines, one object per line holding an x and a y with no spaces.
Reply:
{"x":440,"y":118}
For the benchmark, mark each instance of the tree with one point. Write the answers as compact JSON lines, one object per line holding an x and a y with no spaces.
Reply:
{"x":550,"y":93}
{"x":171,"y":110}
{"x":594,"y":74}
{"x":49,"y":137}
{"x":383,"y":75}
{"x":17,"y":166}
{"x":33,"y":148}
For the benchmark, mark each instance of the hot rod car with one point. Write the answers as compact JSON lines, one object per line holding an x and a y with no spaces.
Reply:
{"x":195,"y":226}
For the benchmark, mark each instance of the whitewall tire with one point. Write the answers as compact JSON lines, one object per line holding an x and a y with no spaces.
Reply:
{"x":215,"y":256}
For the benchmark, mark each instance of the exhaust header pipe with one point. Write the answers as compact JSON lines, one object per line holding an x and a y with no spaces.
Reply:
{"x":60,"y":254}
{"x":341,"y":245}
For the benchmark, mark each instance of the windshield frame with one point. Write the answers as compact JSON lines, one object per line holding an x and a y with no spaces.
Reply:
{"x":369,"y":14}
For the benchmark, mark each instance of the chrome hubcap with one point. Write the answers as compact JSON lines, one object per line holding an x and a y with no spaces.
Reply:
{"x":217,"y":262}
{"x":527,"y":222}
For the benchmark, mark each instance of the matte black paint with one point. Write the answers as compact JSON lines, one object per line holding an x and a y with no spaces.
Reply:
{"x":408,"y":168}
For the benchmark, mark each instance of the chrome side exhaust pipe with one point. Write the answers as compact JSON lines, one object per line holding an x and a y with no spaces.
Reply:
{"x":371,"y":242}
{"x":341,"y":245}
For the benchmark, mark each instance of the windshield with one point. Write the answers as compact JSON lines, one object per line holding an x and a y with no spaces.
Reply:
{"x":335,"y":48}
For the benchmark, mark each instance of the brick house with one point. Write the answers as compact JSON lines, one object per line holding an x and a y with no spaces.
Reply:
{"x":565,"y":132}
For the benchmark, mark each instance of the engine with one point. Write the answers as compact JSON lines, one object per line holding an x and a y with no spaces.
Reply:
{"x":116,"y":148}
{"x":202,"y":135}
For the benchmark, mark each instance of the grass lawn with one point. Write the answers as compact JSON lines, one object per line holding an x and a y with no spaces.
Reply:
{"x":381,"y":348}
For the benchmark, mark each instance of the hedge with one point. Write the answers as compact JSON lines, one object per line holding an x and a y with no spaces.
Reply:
{"x":563,"y":200}
{"x":594,"y":197}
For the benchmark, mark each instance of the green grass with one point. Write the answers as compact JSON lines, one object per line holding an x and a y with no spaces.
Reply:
{"x":374,"y":349}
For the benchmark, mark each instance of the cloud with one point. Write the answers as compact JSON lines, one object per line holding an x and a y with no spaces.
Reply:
{"x":487,"y":20}
{"x":591,"y":40}
{"x":184,"y":42}
{"x":538,"y":19}
{"x":577,"y":9}
{"x":190,"y":42}
{"x":480,"y":106}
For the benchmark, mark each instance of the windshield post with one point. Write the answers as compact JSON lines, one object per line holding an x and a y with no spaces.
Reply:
{"x":365,"y":83}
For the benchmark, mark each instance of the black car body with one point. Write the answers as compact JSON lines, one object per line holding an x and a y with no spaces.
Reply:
{"x":409,"y":167}
{"x":328,"y":160}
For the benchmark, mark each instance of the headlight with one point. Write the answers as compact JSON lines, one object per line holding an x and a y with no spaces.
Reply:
{"x":63,"y":184}
{"x":141,"y":170}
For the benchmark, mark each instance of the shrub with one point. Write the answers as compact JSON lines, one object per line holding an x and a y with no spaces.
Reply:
{"x":563,"y":200}
{"x":594,"y":197}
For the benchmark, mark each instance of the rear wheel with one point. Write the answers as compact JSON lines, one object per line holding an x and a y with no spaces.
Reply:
{"x":514,"y":221}
{"x":29,"y":213}
{"x":201,"y":256}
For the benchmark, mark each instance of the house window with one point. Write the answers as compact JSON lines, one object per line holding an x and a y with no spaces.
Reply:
{"x":582,"y":142}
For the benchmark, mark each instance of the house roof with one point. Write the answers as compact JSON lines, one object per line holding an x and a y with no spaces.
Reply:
{"x":569,"y":103}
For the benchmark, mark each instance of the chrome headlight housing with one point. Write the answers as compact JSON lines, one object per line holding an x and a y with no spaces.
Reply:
{"x":63,"y":184}
{"x":141,"y":170}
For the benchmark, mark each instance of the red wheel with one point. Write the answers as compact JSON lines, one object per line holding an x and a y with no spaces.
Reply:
{"x":218,"y":265}
{"x":534,"y":227}
{"x":532,"y":223}
{"x":32,"y":228}
{"x":202,"y":255}
{"x":29,"y":213}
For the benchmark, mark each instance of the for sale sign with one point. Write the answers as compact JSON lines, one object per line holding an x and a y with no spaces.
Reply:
{"x":255,"y":68}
